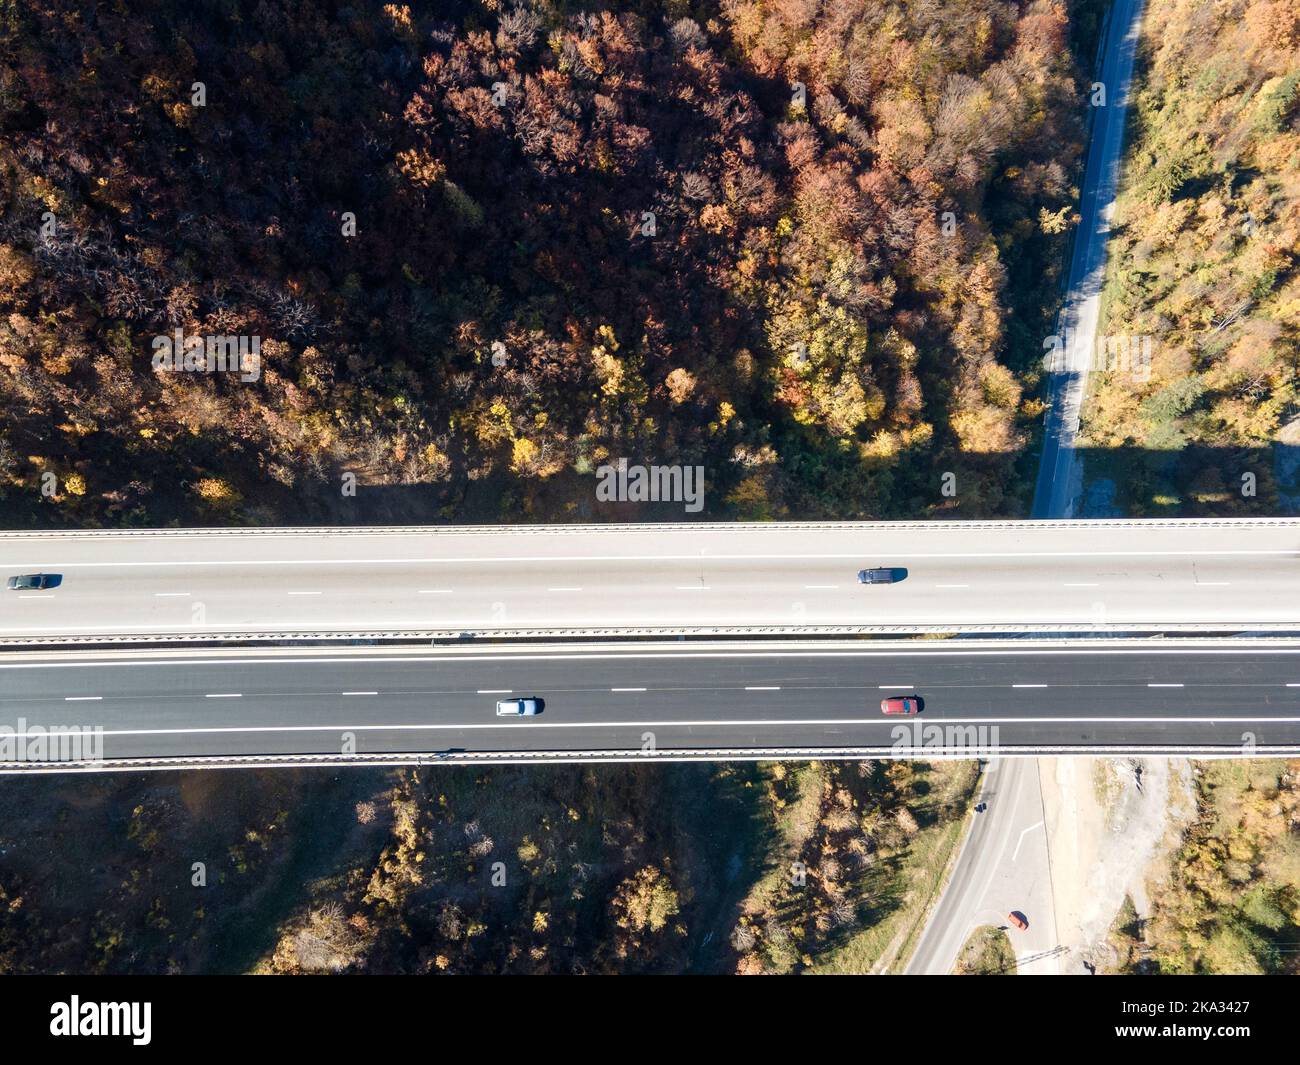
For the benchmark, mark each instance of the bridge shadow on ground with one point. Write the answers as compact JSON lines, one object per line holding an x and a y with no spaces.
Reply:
{"x":1193,"y":482}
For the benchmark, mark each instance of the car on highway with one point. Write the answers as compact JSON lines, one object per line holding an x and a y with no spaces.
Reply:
{"x":519,"y":707}
{"x":34,"y":582}
{"x":1018,"y":919}
{"x":880,"y":575}
{"x":906,"y":705}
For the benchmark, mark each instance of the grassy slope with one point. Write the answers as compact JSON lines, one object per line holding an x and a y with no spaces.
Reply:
{"x":874,"y":840}
{"x":988,"y":952}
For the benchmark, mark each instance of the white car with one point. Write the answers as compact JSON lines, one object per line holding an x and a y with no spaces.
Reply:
{"x":519,"y":707}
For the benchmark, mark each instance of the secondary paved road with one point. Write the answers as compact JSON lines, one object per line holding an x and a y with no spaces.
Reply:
{"x":1059,"y":476}
{"x":801,"y":702}
{"x":708,"y":579}
{"x":1000,"y":869}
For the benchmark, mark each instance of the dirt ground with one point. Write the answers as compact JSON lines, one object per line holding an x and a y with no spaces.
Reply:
{"x":1109,"y":821}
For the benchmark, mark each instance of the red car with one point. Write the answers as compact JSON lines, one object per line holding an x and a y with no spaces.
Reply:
{"x":1018,"y":919}
{"x":900,"y":704}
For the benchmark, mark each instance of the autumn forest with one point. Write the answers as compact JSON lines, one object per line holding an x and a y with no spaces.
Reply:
{"x":486,"y":247}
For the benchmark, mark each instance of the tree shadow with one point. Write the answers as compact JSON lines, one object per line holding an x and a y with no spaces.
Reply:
{"x":1193,"y":482}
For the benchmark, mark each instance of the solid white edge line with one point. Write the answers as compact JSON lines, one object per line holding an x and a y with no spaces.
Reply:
{"x":13,"y":634}
{"x":567,"y":559}
{"x":620,"y":655}
{"x":750,"y":723}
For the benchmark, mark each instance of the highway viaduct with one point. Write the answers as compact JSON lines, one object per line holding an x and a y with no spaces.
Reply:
{"x":308,"y":646}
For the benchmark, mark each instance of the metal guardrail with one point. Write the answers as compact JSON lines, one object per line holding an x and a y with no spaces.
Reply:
{"x":460,"y":636}
{"x":654,"y":527}
{"x":713,"y":754}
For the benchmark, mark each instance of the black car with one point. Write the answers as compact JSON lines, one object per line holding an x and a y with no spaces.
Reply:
{"x":34,"y":582}
{"x":875,"y":576}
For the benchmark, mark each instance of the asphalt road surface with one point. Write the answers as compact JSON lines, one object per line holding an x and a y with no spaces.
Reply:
{"x":1001,"y":868}
{"x":972,"y":576}
{"x":1059,"y":475}
{"x":800,"y":702}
